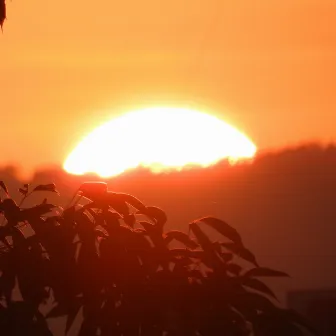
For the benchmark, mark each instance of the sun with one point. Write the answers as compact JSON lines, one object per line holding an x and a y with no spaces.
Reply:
{"x":160,"y":139}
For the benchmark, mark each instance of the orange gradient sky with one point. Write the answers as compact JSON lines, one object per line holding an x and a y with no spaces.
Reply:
{"x":267,"y":67}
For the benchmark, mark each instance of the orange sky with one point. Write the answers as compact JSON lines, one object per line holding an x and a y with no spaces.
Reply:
{"x":266,"y":66}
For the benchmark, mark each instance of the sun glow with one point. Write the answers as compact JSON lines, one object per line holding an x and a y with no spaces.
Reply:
{"x":160,"y":139}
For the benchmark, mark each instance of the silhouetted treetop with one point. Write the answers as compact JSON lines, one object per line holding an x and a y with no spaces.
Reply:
{"x":107,"y":260}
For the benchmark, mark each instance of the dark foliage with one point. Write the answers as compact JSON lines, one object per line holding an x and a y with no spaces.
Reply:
{"x":2,"y":12}
{"x":111,"y":264}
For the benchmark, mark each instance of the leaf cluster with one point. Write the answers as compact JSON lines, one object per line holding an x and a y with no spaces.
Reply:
{"x":111,"y":264}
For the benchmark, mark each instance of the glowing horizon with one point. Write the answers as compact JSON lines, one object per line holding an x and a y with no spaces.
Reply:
{"x":159,"y":139}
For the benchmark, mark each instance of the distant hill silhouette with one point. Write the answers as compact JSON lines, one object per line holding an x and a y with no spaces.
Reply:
{"x":283,"y":204}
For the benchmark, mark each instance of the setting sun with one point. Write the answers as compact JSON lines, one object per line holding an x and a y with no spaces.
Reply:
{"x":158,"y":138}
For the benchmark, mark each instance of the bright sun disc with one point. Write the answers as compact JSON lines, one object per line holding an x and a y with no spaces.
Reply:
{"x":158,"y":138}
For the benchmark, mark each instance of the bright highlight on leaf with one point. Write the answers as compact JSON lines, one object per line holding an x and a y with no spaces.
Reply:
{"x":160,"y":139}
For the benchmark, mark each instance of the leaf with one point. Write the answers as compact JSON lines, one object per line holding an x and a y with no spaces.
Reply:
{"x":259,"y":286}
{"x":4,"y":232}
{"x":226,"y":256}
{"x":72,"y":314}
{"x":195,"y":274}
{"x":133,"y":201}
{"x":182,"y":262}
{"x":7,"y":280}
{"x":271,"y":324}
{"x":69,"y":213}
{"x":130,"y":220}
{"x":181,"y":237}
{"x":152,"y":212}
{"x":140,"y":230}
{"x":36,"y":211}
{"x":254,"y":301}
{"x":201,"y":237}
{"x":93,"y":190}
{"x":242,"y":252}
{"x":290,"y":329}
{"x":210,"y":255}
{"x":223,"y":228}
{"x":4,"y":187}
{"x":183,"y":252}
{"x":46,"y":187}
{"x":57,"y":311}
{"x":118,"y":205}
{"x":148,"y":226}
{"x":233,"y":268}
{"x":11,"y":210}
{"x":101,"y":233}
{"x":264,"y":272}
{"x":93,"y":187}
{"x":24,"y":192}
{"x":41,"y":325}
{"x":295,"y":317}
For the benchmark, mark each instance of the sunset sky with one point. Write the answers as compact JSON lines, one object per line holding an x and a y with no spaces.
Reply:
{"x":267,"y":67}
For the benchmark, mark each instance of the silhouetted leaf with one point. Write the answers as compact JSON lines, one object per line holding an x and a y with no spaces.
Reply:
{"x":130,"y":220}
{"x":11,"y":210}
{"x":226,"y":256}
{"x":155,"y":213}
{"x":57,"y":311}
{"x":46,"y":187}
{"x":72,"y":314}
{"x":184,"y":252}
{"x":24,"y":192}
{"x":148,"y":226}
{"x":254,"y":301}
{"x":289,"y":329}
{"x":69,"y":214}
{"x":117,"y":204}
{"x":195,"y":274}
{"x":140,"y":230}
{"x":181,"y":237}
{"x":7,"y":279}
{"x":295,"y":317}
{"x":210,"y":254}
{"x":4,"y":187}
{"x":201,"y":237}
{"x":36,"y":211}
{"x":4,"y":232}
{"x":133,"y":201}
{"x":19,"y":239}
{"x":272,"y":324}
{"x":182,"y":263}
{"x":242,"y":252}
{"x":95,"y":191}
{"x":264,"y":272}
{"x":258,"y":285}
{"x":101,"y":233}
{"x":233,"y":268}
{"x":217,"y":246}
{"x":41,"y":327}
{"x":223,"y":228}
